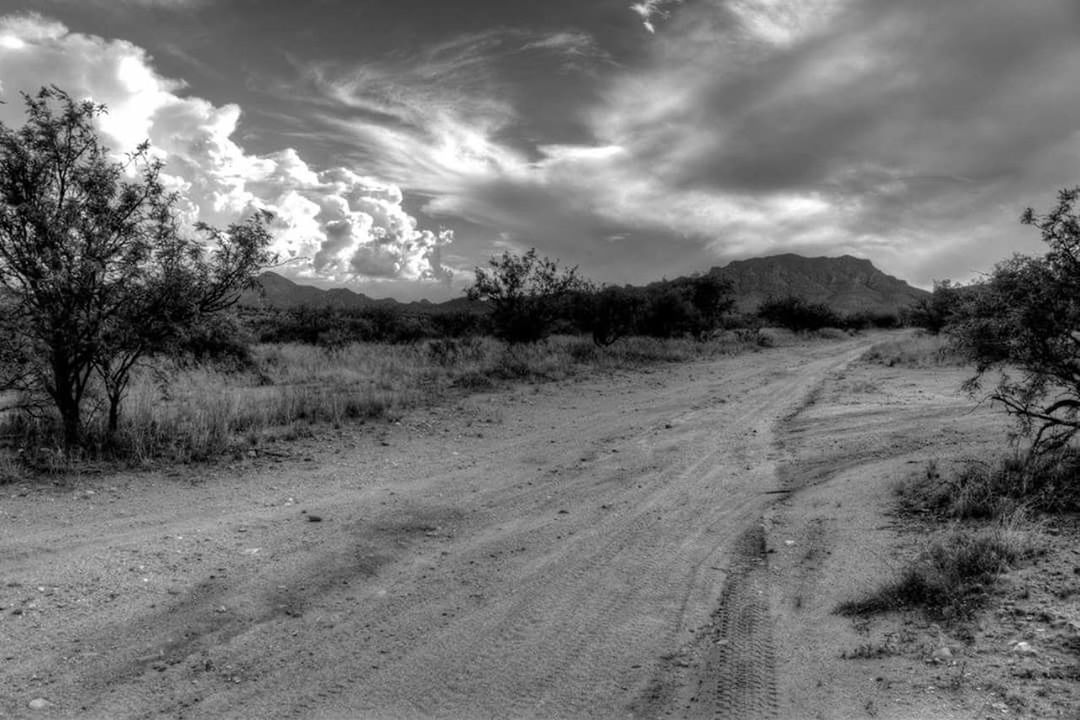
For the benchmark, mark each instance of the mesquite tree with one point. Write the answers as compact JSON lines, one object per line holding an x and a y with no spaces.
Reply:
{"x":94,"y":271}
{"x":526,"y":294}
{"x":1024,"y":322}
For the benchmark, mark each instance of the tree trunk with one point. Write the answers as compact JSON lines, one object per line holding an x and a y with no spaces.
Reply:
{"x":114,"y":413}
{"x":72,"y":422}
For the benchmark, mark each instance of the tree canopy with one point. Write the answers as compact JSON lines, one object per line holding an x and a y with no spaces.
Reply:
{"x":1023,"y":321}
{"x":526,"y":293}
{"x":95,"y":271}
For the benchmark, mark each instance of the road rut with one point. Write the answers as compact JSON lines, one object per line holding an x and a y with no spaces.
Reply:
{"x":587,"y":549}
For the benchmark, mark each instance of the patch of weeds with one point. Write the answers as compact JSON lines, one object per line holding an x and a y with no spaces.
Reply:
{"x":474,"y":380}
{"x":12,"y":468}
{"x":954,"y":574}
{"x":997,"y":489}
{"x":958,"y":676}
{"x":915,"y":350}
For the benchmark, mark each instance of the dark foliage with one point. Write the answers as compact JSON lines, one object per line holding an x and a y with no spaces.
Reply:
{"x":1024,"y":321}
{"x":527,"y":294}
{"x":94,"y":272}
{"x":611,"y":313}
{"x":798,"y":315}
{"x":335,"y":327}
{"x":871,"y":320}
{"x":934,"y":313}
{"x":221,"y":338}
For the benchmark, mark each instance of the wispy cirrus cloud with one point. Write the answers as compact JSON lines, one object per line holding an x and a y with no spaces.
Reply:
{"x":448,"y":115}
{"x":897,"y":131}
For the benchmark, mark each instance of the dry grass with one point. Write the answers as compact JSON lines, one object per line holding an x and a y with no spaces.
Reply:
{"x":914,"y":350}
{"x":954,"y":573}
{"x":985,"y":507}
{"x":997,"y":488}
{"x":176,"y":413}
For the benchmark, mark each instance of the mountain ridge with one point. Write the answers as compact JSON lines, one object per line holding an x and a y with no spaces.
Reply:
{"x":847,"y":284}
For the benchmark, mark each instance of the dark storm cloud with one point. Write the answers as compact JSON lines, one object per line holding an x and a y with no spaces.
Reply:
{"x":961,"y":88}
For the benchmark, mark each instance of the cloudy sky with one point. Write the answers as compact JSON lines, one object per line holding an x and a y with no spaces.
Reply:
{"x":400,"y":143}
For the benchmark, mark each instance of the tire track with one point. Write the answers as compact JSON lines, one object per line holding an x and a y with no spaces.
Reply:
{"x":554,"y":595}
{"x":728,"y":670}
{"x":741,"y":659}
{"x":563,"y":625}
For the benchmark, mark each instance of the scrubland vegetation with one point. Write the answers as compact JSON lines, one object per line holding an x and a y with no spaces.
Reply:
{"x":915,"y":350}
{"x":195,"y":410}
{"x":122,"y":341}
{"x":982,"y":517}
{"x":1019,"y":329}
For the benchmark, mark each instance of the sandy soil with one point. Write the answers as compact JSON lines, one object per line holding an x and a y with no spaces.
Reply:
{"x":663,"y":543}
{"x":835,"y":537}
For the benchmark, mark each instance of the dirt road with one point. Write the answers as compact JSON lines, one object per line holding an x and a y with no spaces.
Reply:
{"x":585,"y":549}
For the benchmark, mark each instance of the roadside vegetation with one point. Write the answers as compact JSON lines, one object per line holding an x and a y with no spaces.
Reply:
{"x":952,"y":576}
{"x":1019,"y":329}
{"x":125,"y":340}
{"x":915,"y":349}
{"x":179,"y":410}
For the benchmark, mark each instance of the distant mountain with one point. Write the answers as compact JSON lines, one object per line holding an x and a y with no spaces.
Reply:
{"x":275,"y":291}
{"x":846,"y":284}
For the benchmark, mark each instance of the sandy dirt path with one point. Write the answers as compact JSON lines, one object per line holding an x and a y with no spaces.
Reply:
{"x":582,"y":549}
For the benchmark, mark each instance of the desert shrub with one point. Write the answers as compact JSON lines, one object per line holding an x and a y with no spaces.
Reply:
{"x":667,"y":314}
{"x":798,"y":315}
{"x":449,"y":352}
{"x":750,"y":336}
{"x":334,"y":328}
{"x":1022,"y":322}
{"x":694,"y":306}
{"x":220,"y":338}
{"x":934,"y":313}
{"x":610,"y":313}
{"x":527,"y":294}
{"x":459,"y":324}
{"x":1040,"y":482}
{"x":829,"y":333}
{"x":915,"y":350}
{"x":866,"y":320}
{"x":954,"y":573}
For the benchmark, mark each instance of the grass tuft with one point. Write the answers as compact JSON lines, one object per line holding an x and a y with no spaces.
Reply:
{"x":914,"y":350}
{"x":988,"y":490}
{"x":955,"y":572}
{"x":193,"y":412}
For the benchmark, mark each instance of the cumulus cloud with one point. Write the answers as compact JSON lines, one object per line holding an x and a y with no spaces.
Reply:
{"x":336,"y":224}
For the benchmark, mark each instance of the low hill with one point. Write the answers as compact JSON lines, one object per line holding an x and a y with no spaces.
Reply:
{"x":276,"y":291}
{"x":846,"y":284}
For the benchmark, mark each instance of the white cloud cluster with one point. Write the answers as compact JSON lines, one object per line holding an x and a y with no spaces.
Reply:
{"x":337,"y":224}
{"x":651,"y":9}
